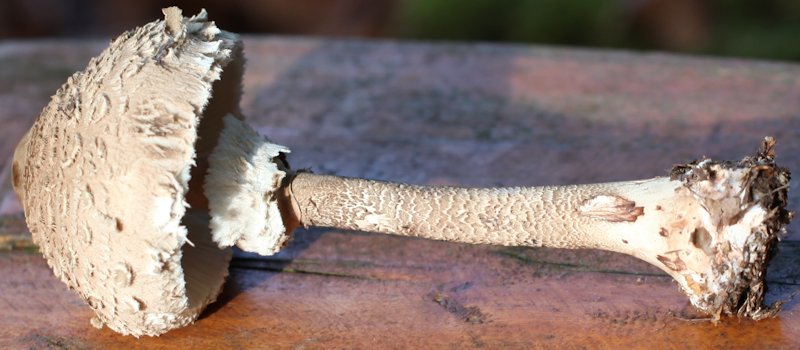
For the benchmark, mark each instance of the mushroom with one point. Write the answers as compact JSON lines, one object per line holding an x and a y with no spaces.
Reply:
{"x":104,"y":173}
{"x":152,"y":127}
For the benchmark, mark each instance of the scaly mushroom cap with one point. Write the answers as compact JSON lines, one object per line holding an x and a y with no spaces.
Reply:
{"x":104,"y":172}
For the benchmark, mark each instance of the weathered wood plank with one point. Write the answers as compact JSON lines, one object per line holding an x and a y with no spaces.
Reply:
{"x":476,"y":115}
{"x":333,"y":289}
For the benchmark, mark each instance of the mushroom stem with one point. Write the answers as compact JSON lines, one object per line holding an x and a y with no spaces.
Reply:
{"x":603,"y":216}
{"x":710,"y":225}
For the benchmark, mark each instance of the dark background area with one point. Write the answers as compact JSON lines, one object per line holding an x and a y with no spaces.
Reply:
{"x":741,"y":28}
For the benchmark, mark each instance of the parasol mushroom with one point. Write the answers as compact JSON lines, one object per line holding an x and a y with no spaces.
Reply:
{"x":108,"y":170}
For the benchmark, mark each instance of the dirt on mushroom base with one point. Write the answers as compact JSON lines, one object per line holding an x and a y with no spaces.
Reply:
{"x":729,"y":192}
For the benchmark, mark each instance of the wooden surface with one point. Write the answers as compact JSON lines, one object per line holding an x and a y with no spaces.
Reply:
{"x":442,"y":114}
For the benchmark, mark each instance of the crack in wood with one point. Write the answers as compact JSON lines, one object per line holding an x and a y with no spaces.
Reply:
{"x":286,"y":269}
{"x":448,"y":301}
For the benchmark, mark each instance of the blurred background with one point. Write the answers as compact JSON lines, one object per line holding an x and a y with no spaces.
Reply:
{"x":767,"y":29}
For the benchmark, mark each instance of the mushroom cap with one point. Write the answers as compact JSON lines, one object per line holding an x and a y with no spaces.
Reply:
{"x":104,"y":172}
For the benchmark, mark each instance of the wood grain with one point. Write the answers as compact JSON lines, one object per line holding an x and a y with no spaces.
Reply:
{"x":337,"y":289}
{"x":447,"y":114}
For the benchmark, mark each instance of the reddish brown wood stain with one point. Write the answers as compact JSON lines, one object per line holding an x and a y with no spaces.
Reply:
{"x":476,"y":115}
{"x":349,"y":290}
